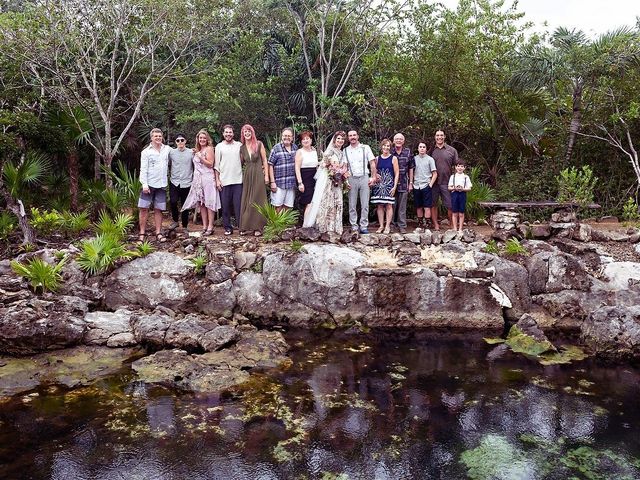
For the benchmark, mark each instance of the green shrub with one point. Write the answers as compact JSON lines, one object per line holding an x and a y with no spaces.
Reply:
{"x":296,"y":246}
{"x":113,"y":201}
{"x":513,"y":247}
{"x":145,"y":248}
{"x":576,"y":185}
{"x":126,"y":183}
{"x":41,"y":274}
{"x":45,"y":222}
{"x":199,"y":262}
{"x":116,"y":226}
{"x":480,"y":192}
{"x":277,"y":222}
{"x":101,"y":253}
{"x":630,"y":211}
{"x":492,"y":247}
{"x":7,"y":224}
{"x":75,"y":223}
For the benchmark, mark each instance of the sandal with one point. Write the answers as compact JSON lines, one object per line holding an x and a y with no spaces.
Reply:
{"x":160,"y":238}
{"x":207,"y":232}
{"x":142,"y":237}
{"x":380,"y":230}
{"x":257,"y":233}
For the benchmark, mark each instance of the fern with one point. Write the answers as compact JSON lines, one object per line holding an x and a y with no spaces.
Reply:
{"x":41,"y":274}
{"x":513,"y":247}
{"x":7,"y":224}
{"x":145,"y":248}
{"x":100,"y":254}
{"x":492,"y":247}
{"x":199,"y":262}
{"x":116,"y":226}
{"x":480,"y":192}
{"x":277,"y":222}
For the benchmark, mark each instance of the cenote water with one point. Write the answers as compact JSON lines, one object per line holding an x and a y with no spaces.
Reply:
{"x":375,"y":406}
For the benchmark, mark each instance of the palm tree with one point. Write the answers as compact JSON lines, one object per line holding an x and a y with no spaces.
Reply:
{"x":15,"y":178}
{"x":75,"y":128}
{"x":573,"y":65}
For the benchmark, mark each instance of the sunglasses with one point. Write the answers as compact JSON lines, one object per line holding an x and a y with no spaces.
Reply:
{"x":180,"y":140}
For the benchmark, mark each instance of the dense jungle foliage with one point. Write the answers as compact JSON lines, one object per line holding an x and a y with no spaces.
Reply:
{"x":83,"y":82}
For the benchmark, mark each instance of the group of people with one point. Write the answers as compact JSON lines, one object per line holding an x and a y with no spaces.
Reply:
{"x":233,"y":176}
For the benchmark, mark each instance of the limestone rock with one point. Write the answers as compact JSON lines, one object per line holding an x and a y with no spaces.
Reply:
{"x":368,"y":240}
{"x":582,"y":233}
{"x":213,"y":371}
{"x":564,"y":216}
{"x":309,"y":234}
{"x":109,"y":328}
{"x":70,"y":367}
{"x":245,"y":260}
{"x":613,"y":332}
{"x":219,"y":337}
{"x":219,"y":272}
{"x":216,"y":300}
{"x":622,"y":275}
{"x":39,"y":324}
{"x":449,"y":235}
{"x":505,"y":220}
{"x":151,"y":329}
{"x":540,"y":231}
{"x":330,"y":237}
{"x":156,"y":279}
{"x":554,"y":272}
{"x":426,"y":237}
{"x":413,"y":238}
{"x":185,"y":333}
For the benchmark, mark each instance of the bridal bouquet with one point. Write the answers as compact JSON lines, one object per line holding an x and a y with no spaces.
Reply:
{"x":338,"y":173}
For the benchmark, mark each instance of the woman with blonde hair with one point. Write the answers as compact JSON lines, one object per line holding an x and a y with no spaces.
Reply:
{"x":255,"y":178}
{"x":383,"y":194}
{"x":203,"y":193}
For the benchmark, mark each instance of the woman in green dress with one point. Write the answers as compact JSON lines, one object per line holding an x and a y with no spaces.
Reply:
{"x":254,"y":178}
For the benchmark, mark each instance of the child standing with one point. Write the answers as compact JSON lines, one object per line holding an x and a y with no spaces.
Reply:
{"x":459,"y":185}
{"x":422,"y":176}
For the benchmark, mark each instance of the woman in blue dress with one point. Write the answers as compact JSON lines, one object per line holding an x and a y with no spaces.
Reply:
{"x":385,"y":188}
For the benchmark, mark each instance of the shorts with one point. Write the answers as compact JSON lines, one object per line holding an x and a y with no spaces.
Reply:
{"x":156,"y":197}
{"x":458,"y":202}
{"x":283,"y":196}
{"x":441,"y":190}
{"x":422,"y":197}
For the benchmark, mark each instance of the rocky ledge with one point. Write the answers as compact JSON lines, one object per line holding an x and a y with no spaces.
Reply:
{"x":203,"y":328}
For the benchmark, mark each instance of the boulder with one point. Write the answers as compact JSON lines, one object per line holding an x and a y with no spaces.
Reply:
{"x":156,"y":279}
{"x":245,"y":260}
{"x":219,"y":272}
{"x":219,"y":337}
{"x":564,"y":216}
{"x":186,"y":332}
{"x":539,"y":231}
{"x":321,"y":277}
{"x":512,"y":278}
{"x":582,"y":233}
{"x":309,"y":234}
{"x":112,"y":329}
{"x":551,"y":272}
{"x":622,"y":275}
{"x":505,"y":220}
{"x":330,"y":237}
{"x":413,"y":238}
{"x":72,"y":367}
{"x":216,"y":300}
{"x":213,"y":371}
{"x":426,"y":237}
{"x":368,"y":240}
{"x":150,"y":330}
{"x":39,"y":324}
{"x":613,"y":332}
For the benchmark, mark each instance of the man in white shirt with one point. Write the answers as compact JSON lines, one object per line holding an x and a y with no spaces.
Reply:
{"x":154,"y":161}
{"x":362,"y":167}
{"x":228,"y":167}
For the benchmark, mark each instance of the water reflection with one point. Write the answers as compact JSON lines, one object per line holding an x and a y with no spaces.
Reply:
{"x":375,"y":406}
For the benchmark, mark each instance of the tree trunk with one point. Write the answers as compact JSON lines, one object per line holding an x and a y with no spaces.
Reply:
{"x":73,"y":178}
{"x":97,"y":165}
{"x":17,"y":208}
{"x":576,"y":121}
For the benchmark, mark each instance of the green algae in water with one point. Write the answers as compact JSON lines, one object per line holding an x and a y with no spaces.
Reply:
{"x":566,"y":354}
{"x":595,"y":464}
{"x":495,"y":458}
{"x":520,"y":342}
